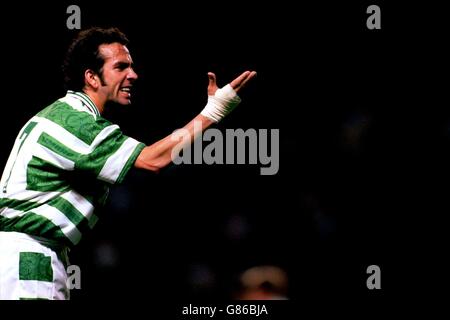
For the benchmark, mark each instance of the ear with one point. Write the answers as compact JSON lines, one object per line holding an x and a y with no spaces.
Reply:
{"x":91,"y":79}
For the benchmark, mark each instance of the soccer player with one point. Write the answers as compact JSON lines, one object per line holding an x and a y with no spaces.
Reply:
{"x":67,"y":155}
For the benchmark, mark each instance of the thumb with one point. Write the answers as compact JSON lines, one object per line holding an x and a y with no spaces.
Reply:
{"x":212,"y":85}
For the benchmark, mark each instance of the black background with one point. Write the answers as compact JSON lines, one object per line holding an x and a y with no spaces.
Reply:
{"x":364,"y":142}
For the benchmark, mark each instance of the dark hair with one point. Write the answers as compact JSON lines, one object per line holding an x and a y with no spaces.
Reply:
{"x":83,"y":54}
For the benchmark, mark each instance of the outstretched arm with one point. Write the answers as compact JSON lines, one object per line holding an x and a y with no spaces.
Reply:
{"x":220,"y":103}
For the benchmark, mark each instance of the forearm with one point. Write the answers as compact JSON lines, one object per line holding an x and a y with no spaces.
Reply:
{"x":159,"y":154}
{"x":220,"y":103}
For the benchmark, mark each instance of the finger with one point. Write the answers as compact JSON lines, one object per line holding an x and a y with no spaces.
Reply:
{"x":212,"y":85}
{"x":240,"y":81}
{"x":236,"y":82}
{"x":250,"y":76}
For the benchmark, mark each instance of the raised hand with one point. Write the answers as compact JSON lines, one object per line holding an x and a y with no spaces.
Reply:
{"x":236,"y":84}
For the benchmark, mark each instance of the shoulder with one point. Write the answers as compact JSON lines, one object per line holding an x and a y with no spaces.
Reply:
{"x":63,"y":108}
{"x":81,"y":123}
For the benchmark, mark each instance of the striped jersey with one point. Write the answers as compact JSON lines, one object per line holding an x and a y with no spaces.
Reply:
{"x":60,"y":168}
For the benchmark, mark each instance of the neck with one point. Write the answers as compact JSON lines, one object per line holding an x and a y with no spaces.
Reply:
{"x":96,"y":98}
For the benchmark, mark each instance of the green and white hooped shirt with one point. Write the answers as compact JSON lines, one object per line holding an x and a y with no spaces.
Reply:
{"x":59,"y":170}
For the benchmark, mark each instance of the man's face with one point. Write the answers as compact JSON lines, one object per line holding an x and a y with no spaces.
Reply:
{"x":118,"y":74}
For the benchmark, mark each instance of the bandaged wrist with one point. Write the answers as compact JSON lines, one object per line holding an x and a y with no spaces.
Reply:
{"x":221,"y":103}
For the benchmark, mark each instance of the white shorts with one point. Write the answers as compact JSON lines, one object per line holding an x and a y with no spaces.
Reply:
{"x":30,"y":269}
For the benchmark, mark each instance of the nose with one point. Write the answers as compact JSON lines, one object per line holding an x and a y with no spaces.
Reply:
{"x":132,"y":75}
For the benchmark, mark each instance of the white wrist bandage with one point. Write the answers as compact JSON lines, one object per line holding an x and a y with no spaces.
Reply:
{"x":221,"y":103}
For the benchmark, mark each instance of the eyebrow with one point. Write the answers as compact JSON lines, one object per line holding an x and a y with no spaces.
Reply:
{"x":122,"y":64}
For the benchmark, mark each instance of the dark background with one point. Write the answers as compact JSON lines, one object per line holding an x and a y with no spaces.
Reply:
{"x":364,"y":143}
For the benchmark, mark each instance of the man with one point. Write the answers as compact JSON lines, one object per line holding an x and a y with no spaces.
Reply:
{"x":65,"y":157}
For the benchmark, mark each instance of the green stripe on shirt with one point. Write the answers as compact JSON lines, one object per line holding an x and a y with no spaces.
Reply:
{"x":72,"y":213}
{"x":80,"y":124}
{"x":35,"y":266}
{"x":33,"y":224}
{"x":44,"y":176}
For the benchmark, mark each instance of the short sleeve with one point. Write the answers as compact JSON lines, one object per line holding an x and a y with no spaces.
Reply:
{"x":77,"y":141}
{"x":113,"y":155}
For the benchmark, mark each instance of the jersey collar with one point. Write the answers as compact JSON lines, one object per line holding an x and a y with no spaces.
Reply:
{"x":85,"y":99}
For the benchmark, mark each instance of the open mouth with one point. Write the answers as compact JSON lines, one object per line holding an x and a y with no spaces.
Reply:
{"x":126,"y":90}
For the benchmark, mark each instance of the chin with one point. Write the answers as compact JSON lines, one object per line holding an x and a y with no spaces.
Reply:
{"x":124,"y":102}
